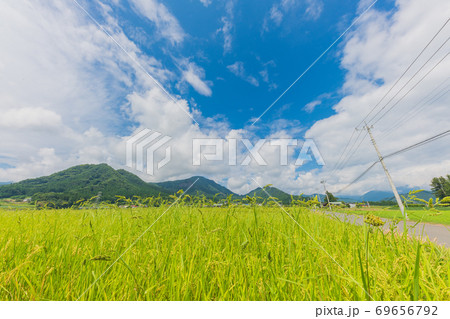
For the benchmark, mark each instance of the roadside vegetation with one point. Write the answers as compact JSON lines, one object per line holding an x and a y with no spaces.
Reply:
{"x":419,"y":214}
{"x":420,"y":210}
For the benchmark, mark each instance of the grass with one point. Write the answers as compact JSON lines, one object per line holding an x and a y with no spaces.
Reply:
{"x":414,"y":213}
{"x":12,"y":204}
{"x":237,"y":253}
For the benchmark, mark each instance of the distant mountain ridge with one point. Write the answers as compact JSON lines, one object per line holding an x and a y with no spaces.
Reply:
{"x":86,"y":181}
{"x":376,"y":196}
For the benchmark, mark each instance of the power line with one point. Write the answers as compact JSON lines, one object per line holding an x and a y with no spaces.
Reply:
{"x":358,"y":178}
{"x":404,"y":72}
{"x":411,"y":78}
{"x":342,"y":154}
{"x":410,"y":90}
{"x":418,"y":107}
{"x":428,"y":140}
{"x":405,"y":120}
{"x":431,"y":98}
{"x":338,"y":164}
{"x":353,"y":153}
{"x":315,"y":61}
{"x":411,"y":147}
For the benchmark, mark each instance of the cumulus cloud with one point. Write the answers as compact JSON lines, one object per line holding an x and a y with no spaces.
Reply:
{"x":31,"y":118}
{"x":62,"y":80}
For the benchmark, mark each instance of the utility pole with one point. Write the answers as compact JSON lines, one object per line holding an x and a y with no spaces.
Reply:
{"x":394,"y":189}
{"x":326,"y":193}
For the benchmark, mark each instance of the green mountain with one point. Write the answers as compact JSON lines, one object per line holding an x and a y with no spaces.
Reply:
{"x":202,"y":186}
{"x":86,"y":181}
{"x":284,"y":197}
{"x":82,"y":182}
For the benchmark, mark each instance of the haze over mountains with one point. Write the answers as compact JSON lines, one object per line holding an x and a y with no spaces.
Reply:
{"x":86,"y":181}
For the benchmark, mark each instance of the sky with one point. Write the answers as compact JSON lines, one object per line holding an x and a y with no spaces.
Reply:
{"x":79,"y":78}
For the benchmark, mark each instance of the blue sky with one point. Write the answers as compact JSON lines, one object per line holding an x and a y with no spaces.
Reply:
{"x":268,"y":53}
{"x":72,"y":94}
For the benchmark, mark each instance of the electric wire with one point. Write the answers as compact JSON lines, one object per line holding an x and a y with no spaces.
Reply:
{"x":415,"y":110}
{"x":411,"y":147}
{"x":338,"y":164}
{"x":404,"y":72}
{"x":411,"y":89}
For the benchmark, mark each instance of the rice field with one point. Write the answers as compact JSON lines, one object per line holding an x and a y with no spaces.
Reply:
{"x":208,"y":253}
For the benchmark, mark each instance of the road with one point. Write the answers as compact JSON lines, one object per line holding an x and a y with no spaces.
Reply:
{"x":439,"y":234}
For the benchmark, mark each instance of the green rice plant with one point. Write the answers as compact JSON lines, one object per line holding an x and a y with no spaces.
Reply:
{"x":373,"y":220}
{"x":195,"y":252}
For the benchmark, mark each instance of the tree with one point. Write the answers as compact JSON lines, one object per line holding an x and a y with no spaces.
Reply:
{"x":441,"y":186}
{"x":331,"y":197}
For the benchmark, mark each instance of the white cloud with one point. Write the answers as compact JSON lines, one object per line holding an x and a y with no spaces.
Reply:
{"x":167,"y":25}
{"x":227,"y":27}
{"x":309,"y":108}
{"x":264,"y":75}
{"x":253,"y":81}
{"x":314,"y":9}
{"x":206,"y":2}
{"x":62,"y":80}
{"x":281,"y":10}
{"x":193,"y":74}
{"x":31,"y":118}
{"x":238,"y":69}
{"x":276,"y":15}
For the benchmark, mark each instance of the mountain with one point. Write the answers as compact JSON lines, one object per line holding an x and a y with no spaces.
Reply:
{"x":82,"y":182}
{"x":284,"y":197}
{"x":372,"y":196}
{"x":425,"y":195}
{"x":202,"y":186}
{"x":376,"y":196}
{"x":349,"y":198}
{"x":86,"y":181}
{"x":5,"y":183}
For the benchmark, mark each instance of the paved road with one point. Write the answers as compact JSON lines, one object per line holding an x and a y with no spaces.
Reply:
{"x":439,"y":234}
